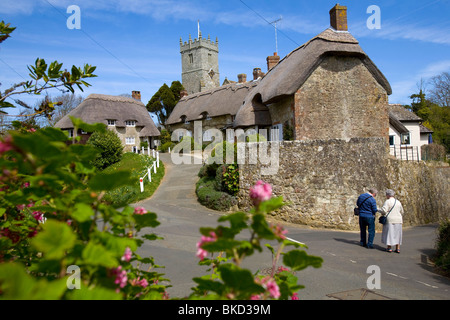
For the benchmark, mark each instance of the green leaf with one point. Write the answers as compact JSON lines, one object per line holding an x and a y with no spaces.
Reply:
{"x":97,"y":293}
{"x":221,"y":244}
{"x":97,"y":254}
{"x":271,"y":205}
{"x":209,"y":285}
{"x":82,"y":212}
{"x":261,"y":227}
{"x":16,"y":284}
{"x":80,"y":124}
{"x":299,"y":260}
{"x":146,"y":220}
{"x":240,"y":280}
{"x":54,"y":240}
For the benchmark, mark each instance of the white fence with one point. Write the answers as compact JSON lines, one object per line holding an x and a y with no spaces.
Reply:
{"x":154,"y":167}
{"x":408,"y":153}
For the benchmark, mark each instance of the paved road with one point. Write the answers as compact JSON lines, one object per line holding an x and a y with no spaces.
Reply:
{"x":343,"y":275}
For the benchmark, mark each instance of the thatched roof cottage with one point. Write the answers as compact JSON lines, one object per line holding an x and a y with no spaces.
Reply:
{"x":128,"y":117}
{"x":327,"y":88}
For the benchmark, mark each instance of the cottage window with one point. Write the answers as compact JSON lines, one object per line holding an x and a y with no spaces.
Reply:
{"x":111,"y":122}
{"x":391,"y":140}
{"x":130,"y":140}
{"x":405,"y":138}
{"x":70,"y":132}
{"x":130,"y":123}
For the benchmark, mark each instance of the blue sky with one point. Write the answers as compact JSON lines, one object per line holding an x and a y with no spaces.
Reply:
{"x":135,"y":43}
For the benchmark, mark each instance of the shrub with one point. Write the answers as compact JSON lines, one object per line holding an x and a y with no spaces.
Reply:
{"x":165,"y":146}
{"x":433,"y":151}
{"x":442,"y":259}
{"x":211,"y":198}
{"x":110,"y":148}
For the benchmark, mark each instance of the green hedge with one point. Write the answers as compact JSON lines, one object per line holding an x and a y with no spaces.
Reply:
{"x":442,"y":259}
{"x":210,"y":197}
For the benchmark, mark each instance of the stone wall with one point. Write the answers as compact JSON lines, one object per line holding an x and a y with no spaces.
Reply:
{"x":341,"y":99}
{"x":321,"y":180}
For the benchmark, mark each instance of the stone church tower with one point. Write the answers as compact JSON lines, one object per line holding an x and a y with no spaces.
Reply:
{"x":199,"y":64}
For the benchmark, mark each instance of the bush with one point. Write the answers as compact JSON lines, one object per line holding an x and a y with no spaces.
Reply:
{"x":433,"y":151}
{"x":442,"y":259}
{"x":211,"y":198}
{"x":110,"y":147}
{"x":165,"y":146}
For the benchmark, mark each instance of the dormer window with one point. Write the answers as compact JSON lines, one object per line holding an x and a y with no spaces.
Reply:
{"x":111,"y":122}
{"x":206,"y":116}
{"x":184,"y":119}
{"x":130,"y":123}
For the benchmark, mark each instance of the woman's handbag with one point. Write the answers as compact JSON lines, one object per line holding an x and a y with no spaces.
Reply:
{"x":383,"y":219}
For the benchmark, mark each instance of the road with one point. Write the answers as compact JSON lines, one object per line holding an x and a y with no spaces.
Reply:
{"x":347,"y":267}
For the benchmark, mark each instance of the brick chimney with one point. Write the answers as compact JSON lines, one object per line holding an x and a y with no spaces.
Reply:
{"x":338,"y":18}
{"x":242,"y":78}
{"x":136,"y":95}
{"x":183,"y":93}
{"x":272,"y":61}
{"x":257,"y":73}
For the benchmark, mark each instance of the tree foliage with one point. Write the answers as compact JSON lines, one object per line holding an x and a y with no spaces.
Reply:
{"x":164,"y":101}
{"x":435,"y":112}
{"x":110,"y":147}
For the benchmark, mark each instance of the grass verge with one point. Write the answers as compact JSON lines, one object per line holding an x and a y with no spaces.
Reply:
{"x":137,"y":165}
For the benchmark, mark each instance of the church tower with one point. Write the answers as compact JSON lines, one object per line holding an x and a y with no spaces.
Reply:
{"x":199,"y":64}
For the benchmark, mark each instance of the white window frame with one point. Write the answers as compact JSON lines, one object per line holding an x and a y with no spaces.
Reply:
{"x":130,"y":141}
{"x":130,"y":123}
{"x":112,"y":122}
{"x":408,"y":138}
{"x":278,"y":127}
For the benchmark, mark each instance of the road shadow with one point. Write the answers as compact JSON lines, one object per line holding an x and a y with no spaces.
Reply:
{"x":356,"y":243}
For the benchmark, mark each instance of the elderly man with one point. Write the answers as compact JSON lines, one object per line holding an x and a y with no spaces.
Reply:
{"x":367,"y":209}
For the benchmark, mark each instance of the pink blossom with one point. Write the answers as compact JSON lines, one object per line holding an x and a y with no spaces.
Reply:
{"x":260,"y":192}
{"x":121,"y":276}
{"x":202,"y":253}
{"x":273,"y":288}
{"x":279,"y":231}
{"x":295,"y":296}
{"x":140,"y":210}
{"x":39,"y":216}
{"x":127,"y":255}
{"x":137,"y":282}
{"x":6,"y":145}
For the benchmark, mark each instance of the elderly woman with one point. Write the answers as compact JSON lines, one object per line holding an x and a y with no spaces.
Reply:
{"x":392,"y":230}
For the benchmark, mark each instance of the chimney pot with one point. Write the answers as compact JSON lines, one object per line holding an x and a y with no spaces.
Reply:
{"x":136,"y":95}
{"x":242,"y":77}
{"x":338,"y":18}
{"x":272,"y":61}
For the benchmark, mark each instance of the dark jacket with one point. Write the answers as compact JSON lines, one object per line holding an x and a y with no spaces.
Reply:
{"x":368,"y":208}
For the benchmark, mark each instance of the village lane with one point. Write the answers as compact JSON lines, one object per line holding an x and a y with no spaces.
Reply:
{"x":347,"y":268}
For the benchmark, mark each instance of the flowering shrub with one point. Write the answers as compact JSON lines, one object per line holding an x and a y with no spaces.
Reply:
{"x":228,"y":279}
{"x":52,"y":217}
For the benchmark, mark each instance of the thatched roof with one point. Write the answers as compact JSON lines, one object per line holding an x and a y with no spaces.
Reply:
{"x":99,"y":108}
{"x":293,"y":70}
{"x":224,"y":100}
{"x":402,"y":114}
